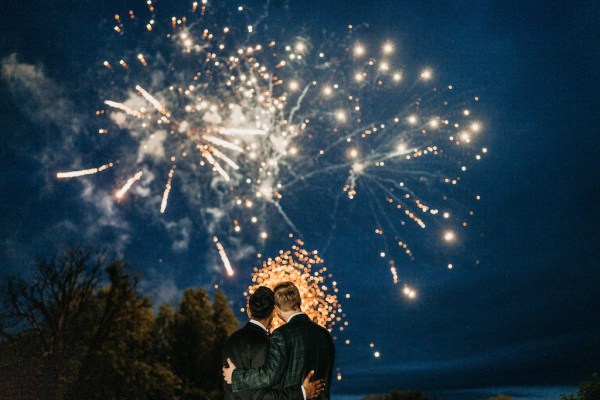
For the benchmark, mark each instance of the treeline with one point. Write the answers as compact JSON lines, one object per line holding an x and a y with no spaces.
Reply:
{"x":81,"y":329}
{"x":401,"y":395}
{"x":587,"y":390}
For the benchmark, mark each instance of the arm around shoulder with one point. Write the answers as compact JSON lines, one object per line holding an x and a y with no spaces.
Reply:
{"x":267,"y":375}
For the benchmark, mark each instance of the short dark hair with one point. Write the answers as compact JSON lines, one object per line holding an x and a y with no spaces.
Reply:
{"x":287,"y":296}
{"x":261,"y":303}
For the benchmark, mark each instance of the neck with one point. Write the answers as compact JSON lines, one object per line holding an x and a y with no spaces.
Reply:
{"x":287,"y":314}
{"x":265,"y":322}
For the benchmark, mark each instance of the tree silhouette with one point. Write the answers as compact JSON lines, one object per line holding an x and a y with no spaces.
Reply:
{"x":225,"y":324}
{"x":64,"y":335}
{"x":49,"y":311}
{"x":120,"y":361}
{"x":588,"y":390}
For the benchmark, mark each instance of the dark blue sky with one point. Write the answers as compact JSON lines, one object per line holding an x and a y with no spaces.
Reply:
{"x":525,"y":317}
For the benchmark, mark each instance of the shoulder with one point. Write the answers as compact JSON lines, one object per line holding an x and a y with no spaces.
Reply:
{"x":280,"y":334}
{"x":321,"y":332}
{"x":247,"y":332}
{"x":300,"y":325}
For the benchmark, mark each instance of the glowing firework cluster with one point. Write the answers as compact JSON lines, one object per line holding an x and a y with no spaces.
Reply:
{"x":234,"y":121}
{"x":306,"y":270}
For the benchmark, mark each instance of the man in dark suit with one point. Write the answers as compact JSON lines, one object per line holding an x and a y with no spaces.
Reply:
{"x":296,"y":348}
{"x":249,"y":346}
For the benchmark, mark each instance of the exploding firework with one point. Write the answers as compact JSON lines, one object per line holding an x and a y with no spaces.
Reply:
{"x":307,"y":271}
{"x":243,"y":126}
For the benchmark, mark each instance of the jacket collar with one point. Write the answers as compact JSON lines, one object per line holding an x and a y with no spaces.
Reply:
{"x":257,"y":323}
{"x":298,"y":318}
{"x":295,"y":315}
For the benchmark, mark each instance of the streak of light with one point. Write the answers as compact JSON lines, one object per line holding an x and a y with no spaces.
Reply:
{"x":165,"y":198}
{"x":82,"y":172}
{"x":121,"y":192}
{"x":223,"y":256}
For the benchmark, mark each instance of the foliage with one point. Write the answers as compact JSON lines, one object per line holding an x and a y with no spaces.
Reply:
{"x":67,"y":336}
{"x":588,"y":390}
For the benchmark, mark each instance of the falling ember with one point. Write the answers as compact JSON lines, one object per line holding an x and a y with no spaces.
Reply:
{"x":222,"y":143}
{"x":155,"y":103}
{"x":394,"y":272}
{"x":409,"y":292}
{"x":206,"y":154}
{"x":388,"y":47}
{"x":223,"y":256}
{"x":223,"y":157}
{"x":241,"y":132}
{"x":123,"y":107}
{"x":121,"y":192}
{"x":449,"y":236}
{"x":142,"y":60}
{"x":306,"y":270}
{"x":165,"y":198}
{"x":90,"y":171}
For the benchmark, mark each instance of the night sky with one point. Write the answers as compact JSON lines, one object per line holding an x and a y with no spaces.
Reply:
{"x":523,"y":321}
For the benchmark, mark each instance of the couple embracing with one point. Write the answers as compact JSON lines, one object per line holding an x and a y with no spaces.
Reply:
{"x":294,"y":363}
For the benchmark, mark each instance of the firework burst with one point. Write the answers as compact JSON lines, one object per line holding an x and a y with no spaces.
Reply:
{"x":239,"y":124}
{"x":307,"y":271}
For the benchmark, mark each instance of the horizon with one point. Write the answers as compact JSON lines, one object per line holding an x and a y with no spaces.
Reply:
{"x":516,"y":392}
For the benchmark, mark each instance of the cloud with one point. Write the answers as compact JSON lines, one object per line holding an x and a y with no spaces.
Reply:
{"x":153,"y":146}
{"x":134,"y":102}
{"x":46,"y":103}
{"x":40,"y":98}
{"x":180,"y":233}
{"x":106,"y":216}
{"x":240,"y":251}
{"x":57,"y":123}
{"x":143,"y":189}
{"x":118,"y":118}
{"x":212,"y":117}
{"x":161,"y":286}
{"x":213,"y":216}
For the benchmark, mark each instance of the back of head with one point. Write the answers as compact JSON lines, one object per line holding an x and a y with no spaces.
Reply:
{"x":261,"y":303}
{"x":287,"y":297}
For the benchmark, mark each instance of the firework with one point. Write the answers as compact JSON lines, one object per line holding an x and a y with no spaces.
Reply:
{"x":121,"y":192}
{"x":82,"y":172}
{"x":245,"y":120}
{"x":223,"y":256}
{"x":306,"y":270}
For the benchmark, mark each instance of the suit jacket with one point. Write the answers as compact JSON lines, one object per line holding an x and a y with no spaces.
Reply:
{"x":296,"y":348}
{"x":248,"y":348}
